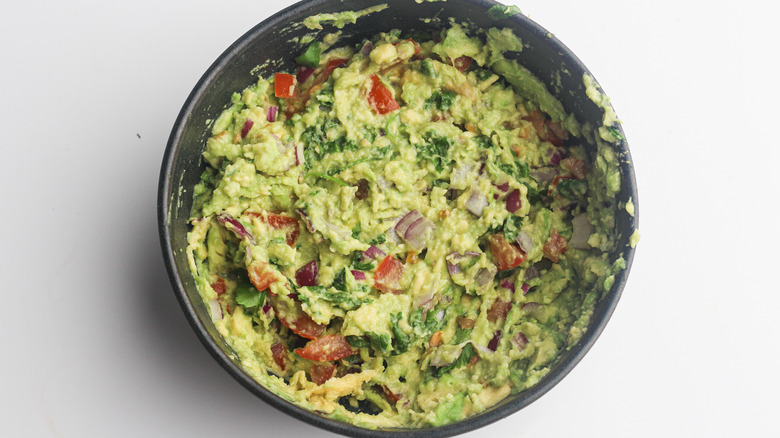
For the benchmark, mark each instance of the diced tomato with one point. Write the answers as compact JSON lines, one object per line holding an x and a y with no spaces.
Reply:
{"x":462,"y":63}
{"x":279,"y":352}
{"x":388,"y":275}
{"x":380,"y":98}
{"x":284,"y":85}
{"x":507,"y":255}
{"x":278,"y":221}
{"x":332,"y":65}
{"x":546,"y":129}
{"x":295,"y":319}
{"x":322,"y":372}
{"x":327,"y":348}
{"x":392,"y":397}
{"x":219,"y":286}
{"x":262,"y":275}
{"x":555,"y":246}
{"x":499,"y":310}
{"x":577,"y":167}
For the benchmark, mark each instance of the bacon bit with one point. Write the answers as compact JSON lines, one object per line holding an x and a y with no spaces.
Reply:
{"x":219,"y":286}
{"x":466,"y":323}
{"x":555,"y":246}
{"x":322,"y":372}
{"x":279,"y":353}
{"x":577,"y":167}
{"x":499,"y":310}
{"x":435,"y":339}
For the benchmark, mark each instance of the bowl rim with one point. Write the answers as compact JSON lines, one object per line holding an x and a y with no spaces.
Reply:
{"x":493,"y":414}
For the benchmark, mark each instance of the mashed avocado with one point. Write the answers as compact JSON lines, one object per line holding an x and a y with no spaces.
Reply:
{"x":402,"y":233}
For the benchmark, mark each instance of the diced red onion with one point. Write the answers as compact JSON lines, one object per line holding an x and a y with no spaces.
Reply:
{"x":359,"y":275}
{"x":373,"y":253}
{"x":267,"y":309}
{"x":215,"y":309}
{"x":508,"y":284}
{"x":544,"y":175}
{"x":555,"y":159}
{"x":307,"y":274}
{"x":232,"y":224}
{"x":503,"y":187}
{"x":272,"y":110}
{"x":366,"y":49}
{"x":440,"y":315}
{"x":416,"y":236}
{"x":520,"y":340}
{"x":525,"y":287}
{"x":513,"y":202}
{"x":485,"y":275}
{"x":459,"y":174}
{"x":493,"y":344}
{"x":524,"y":241}
{"x":531,"y":273}
{"x":247,"y":127}
{"x":298,"y":154}
{"x":403,"y":225}
{"x":455,"y":260}
{"x":425,"y":300}
{"x":532,"y":309}
{"x":582,"y":231}
{"x":303,"y":74}
{"x":476,"y":202}
{"x":306,"y":220}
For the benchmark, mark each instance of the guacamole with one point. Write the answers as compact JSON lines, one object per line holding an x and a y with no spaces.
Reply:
{"x":402,"y":233}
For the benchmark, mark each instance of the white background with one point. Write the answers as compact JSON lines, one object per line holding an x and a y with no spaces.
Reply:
{"x":94,"y":343}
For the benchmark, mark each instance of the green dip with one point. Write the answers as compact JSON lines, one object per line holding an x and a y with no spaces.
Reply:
{"x":416,"y":233}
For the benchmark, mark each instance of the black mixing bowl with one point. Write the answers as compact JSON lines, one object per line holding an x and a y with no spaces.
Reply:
{"x":270,"y":44}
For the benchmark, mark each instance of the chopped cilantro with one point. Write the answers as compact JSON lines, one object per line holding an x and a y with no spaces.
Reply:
{"x":401,"y":340}
{"x":311,"y":57}
{"x":249,"y":297}
{"x":442,"y":101}
{"x":427,"y":67}
{"x":381,"y":238}
{"x":356,"y":231}
{"x":573,"y":189}
{"x":465,"y":357}
{"x":512,"y":226}
{"x":435,"y":149}
{"x":359,"y":264}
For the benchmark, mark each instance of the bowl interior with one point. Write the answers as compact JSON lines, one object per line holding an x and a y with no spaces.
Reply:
{"x":271,"y":44}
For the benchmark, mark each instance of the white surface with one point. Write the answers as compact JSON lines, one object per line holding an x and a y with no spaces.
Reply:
{"x":95,"y":344}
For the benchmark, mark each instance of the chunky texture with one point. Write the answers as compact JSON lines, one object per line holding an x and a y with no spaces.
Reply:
{"x":397,"y":236}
